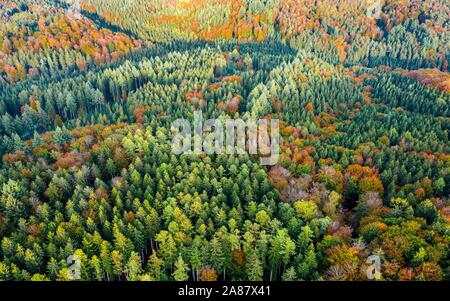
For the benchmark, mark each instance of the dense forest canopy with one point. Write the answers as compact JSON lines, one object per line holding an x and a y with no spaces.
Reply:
{"x":87,"y":99}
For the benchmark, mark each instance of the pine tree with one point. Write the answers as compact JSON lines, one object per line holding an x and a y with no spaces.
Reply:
{"x":11,"y":201}
{"x":62,"y":135}
{"x":154,"y":265}
{"x":289,"y":275}
{"x":217,"y":256}
{"x":281,"y":250}
{"x":306,"y":258}
{"x":195,"y":257}
{"x":96,"y":268}
{"x":167,"y":248}
{"x":106,"y":260}
{"x":117,"y":259}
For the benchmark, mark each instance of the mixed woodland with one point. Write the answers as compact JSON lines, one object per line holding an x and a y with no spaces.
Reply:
{"x":87,"y":99}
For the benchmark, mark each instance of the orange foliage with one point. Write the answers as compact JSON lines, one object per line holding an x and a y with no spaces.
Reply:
{"x":232,"y":79}
{"x":428,"y":271}
{"x":359,"y":171}
{"x":340,"y":255}
{"x":101,"y":194}
{"x":233,"y":105}
{"x":330,"y":175}
{"x":139,"y":113}
{"x":309,"y":107}
{"x":279,"y":177}
{"x":406,"y":274}
{"x":14,"y":157}
{"x":195,"y":98}
{"x":34,"y":230}
{"x":214,"y":86}
{"x":81,"y":35}
{"x":287,"y":131}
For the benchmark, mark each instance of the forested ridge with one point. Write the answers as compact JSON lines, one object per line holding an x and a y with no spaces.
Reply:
{"x":87,"y":100}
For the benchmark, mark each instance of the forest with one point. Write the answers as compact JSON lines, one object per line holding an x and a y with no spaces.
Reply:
{"x":89,"y":90}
